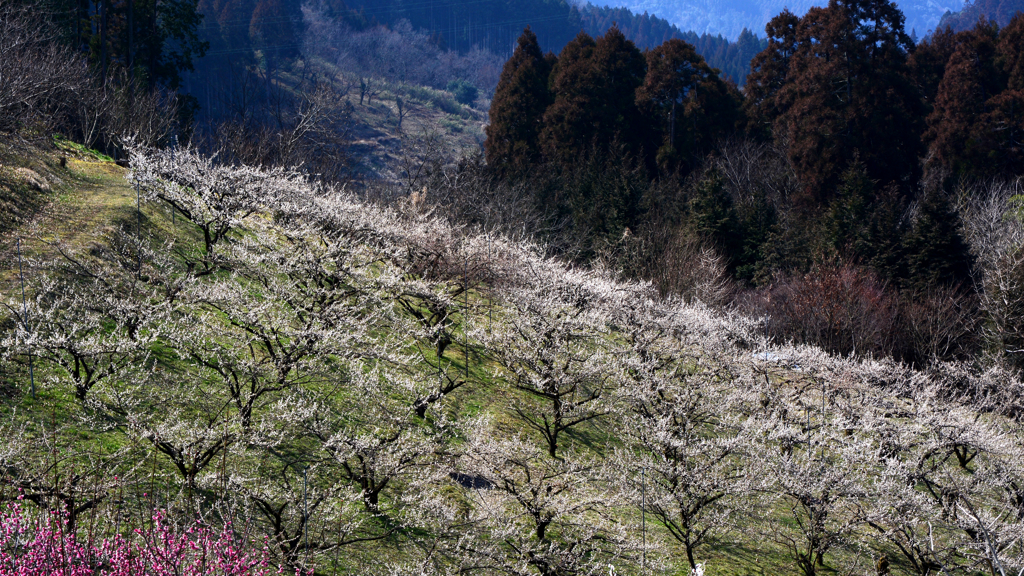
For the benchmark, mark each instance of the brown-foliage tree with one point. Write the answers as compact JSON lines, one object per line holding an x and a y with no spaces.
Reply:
{"x":517,"y":109}
{"x":977,"y":124}
{"x":594,"y":86}
{"x":688,"y":102}
{"x":970,"y":80}
{"x":928,"y":62}
{"x":847,"y":94}
{"x":1011,"y":52}
{"x":768,"y":73}
{"x":1004,"y":121}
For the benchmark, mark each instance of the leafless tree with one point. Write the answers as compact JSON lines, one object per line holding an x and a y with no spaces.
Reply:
{"x":994,"y":229}
{"x":39,"y":76}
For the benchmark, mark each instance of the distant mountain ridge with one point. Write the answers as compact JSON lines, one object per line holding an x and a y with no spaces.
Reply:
{"x":496,"y":24}
{"x":730,"y":17}
{"x":999,"y":11}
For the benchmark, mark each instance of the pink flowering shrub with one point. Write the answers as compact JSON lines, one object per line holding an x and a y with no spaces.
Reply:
{"x":38,"y":547}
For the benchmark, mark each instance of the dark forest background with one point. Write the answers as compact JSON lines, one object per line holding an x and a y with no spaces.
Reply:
{"x":831,"y":196}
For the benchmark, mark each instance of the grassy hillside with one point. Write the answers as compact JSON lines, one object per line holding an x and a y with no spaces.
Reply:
{"x":373,"y":390}
{"x":337,"y":124}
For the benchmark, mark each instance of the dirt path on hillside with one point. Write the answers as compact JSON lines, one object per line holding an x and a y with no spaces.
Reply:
{"x":80,"y":211}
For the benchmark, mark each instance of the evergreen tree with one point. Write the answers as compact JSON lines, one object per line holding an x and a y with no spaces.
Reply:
{"x":233,"y":12}
{"x":768,"y":71}
{"x":971,"y":78}
{"x":863,"y":225}
{"x":568,"y":122}
{"x":603,"y":197}
{"x":156,"y":40}
{"x":881,"y":243}
{"x":843,"y":224}
{"x":756,"y":220}
{"x":1003,"y":139}
{"x":747,"y":46}
{"x":688,"y":101}
{"x":844,"y":93}
{"x":594,"y":85}
{"x":936,"y":252}
{"x":712,"y":214}
{"x":1004,"y":121}
{"x":517,"y":109}
{"x":275,"y":30}
{"x":928,"y":62}
{"x":621,"y":67}
{"x":1010,"y":52}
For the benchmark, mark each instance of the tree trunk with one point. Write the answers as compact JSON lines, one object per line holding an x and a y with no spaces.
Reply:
{"x":672,"y":129}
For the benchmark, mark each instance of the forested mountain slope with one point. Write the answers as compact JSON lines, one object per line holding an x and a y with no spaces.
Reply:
{"x":490,"y":25}
{"x":998,"y":11}
{"x":730,"y":17}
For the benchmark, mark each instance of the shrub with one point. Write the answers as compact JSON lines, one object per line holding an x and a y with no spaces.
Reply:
{"x":691,"y":267}
{"x":465,"y":92}
{"x":841,"y":308}
{"x":940,"y":324}
{"x":451,"y":123}
{"x":847,"y":309}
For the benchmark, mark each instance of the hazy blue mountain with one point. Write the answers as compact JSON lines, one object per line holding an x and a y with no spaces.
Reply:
{"x":729,"y":17}
{"x":1000,"y":11}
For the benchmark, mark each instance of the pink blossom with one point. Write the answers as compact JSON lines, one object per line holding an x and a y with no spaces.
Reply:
{"x":37,"y":546}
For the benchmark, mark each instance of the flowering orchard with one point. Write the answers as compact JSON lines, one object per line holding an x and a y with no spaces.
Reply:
{"x":40,"y":546}
{"x":360,"y":389}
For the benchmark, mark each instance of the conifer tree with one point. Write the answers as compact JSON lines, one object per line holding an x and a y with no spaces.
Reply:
{"x":275,"y":29}
{"x":1010,"y":52}
{"x":928,"y":62}
{"x":936,"y":252}
{"x":1003,"y":140}
{"x":768,"y":72}
{"x":970,"y":80}
{"x":843,"y":222}
{"x":231,"y":13}
{"x":517,"y":110}
{"x":1004,"y":120}
{"x":687,"y":100}
{"x":157,"y":39}
{"x":863,"y":224}
{"x":882,"y":242}
{"x":845,"y":94}
{"x":756,"y":219}
{"x":568,"y":121}
{"x":712,"y":214}
{"x":621,"y":67}
{"x":594,"y":97}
